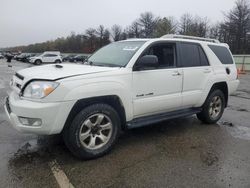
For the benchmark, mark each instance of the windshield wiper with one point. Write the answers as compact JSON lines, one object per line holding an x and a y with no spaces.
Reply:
{"x":106,"y":65}
{"x":87,"y":62}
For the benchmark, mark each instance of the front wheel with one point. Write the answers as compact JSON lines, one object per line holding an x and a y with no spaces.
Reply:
{"x":213,"y":107}
{"x":38,"y":62}
{"x":58,"y":61}
{"x":93,"y":131}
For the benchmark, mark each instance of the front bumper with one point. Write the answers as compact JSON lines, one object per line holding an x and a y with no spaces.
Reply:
{"x":31,"y":60}
{"x":53,"y":115}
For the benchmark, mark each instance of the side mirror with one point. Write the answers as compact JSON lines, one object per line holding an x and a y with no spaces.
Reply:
{"x":147,"y":62}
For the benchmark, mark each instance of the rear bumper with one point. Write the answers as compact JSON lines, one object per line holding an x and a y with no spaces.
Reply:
{"x":233,"y":86}
{"x":52,"y":115}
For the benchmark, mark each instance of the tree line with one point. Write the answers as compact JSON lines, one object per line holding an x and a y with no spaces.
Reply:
{"x":234,"y":30}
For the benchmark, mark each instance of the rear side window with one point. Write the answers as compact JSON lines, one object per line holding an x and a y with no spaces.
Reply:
{"x":50,"y":55}
{"x":190,"y":55}
{"x":222,"y":53}
{"x":193,"y":55}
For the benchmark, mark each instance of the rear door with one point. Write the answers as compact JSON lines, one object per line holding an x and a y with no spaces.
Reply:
{"x":196,"y":72}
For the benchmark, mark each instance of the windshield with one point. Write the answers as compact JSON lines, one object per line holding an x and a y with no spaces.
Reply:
{"x":116,"y":54}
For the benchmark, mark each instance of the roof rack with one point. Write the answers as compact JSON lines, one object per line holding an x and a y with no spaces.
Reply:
{"x":190,"y":38}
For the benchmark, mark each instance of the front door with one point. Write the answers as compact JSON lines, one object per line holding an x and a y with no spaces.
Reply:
{"x":46,"y":58}
{"x":159,"y":89}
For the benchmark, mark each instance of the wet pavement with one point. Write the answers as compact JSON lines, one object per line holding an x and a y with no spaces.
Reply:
{"x":177,"y":153}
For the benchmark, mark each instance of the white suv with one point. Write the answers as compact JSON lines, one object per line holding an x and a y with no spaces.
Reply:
{"x":46,"y":57}
{"x":123,"y":85}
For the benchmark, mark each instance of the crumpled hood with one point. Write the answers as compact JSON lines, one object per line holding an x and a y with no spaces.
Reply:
{"x":51,"y":72}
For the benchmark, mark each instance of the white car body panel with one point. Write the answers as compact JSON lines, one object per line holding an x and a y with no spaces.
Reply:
{"x":160,"y":89}
{"x":50,"y":72}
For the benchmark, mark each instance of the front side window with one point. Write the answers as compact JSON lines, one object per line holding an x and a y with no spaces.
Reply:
{"x":166,"y":54}
{"x":116,"y":54}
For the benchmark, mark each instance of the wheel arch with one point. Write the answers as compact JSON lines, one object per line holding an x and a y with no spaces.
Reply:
{"x":38,"y":59}
{"x":112,"y":100}
{"x":223,"y":87}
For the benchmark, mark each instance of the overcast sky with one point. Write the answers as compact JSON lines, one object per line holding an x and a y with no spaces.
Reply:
{"x":24,"y":22}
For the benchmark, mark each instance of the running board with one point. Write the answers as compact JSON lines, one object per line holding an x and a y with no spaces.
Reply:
{"x":148,"y":120}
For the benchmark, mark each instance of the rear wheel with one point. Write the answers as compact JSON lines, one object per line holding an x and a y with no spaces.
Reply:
{"x":38,"y":62}
{"x":93,"y":131}
{"x":213,"y":108}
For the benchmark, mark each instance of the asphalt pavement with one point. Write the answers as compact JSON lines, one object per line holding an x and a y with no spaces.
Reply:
{"x":177,"y":153}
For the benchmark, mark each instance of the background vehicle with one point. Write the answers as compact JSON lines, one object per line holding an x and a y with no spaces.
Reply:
{"x":68,"y":58}
{"x":46,"y":57}
{"x":1,"y":56}
{"x":24,"y":57}
{"x":124,"y":85}
{"x":20,"y":56}
{"x":78,"y":58}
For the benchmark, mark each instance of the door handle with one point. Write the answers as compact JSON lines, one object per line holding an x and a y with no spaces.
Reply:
{"x":207,"y":71}
{"x":176,"y":73}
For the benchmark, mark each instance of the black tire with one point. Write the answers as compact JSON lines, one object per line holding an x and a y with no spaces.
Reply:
{"x":58,"y":61}
{"x":71,"y":133}
{"x":38,"y":62}
{"x":205,"y":116}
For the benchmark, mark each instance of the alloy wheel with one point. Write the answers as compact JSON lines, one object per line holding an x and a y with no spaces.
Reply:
{"x":96,"y":131}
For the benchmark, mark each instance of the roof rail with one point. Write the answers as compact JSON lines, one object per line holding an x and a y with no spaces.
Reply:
{"x":190,"y":38}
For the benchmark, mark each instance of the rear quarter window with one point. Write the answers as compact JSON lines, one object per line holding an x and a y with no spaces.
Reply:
{"x":222,"y":53}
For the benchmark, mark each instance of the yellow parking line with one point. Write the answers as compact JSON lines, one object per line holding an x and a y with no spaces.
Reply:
{"x":60,"y":176}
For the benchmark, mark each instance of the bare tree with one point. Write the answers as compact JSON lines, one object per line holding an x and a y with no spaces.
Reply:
{"x":237,"y":24}
{"x":195,"y":26}
{"x":148,"y":22}
{"x":116,"y":32}
{"x":103,"y":35}
{"x":165,"y":26}
{"x":185,"y":24}
{"x":91,"y":40}
{"x":134,"y":31}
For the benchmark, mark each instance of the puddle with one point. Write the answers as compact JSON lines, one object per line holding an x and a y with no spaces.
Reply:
{"x":237,"y":109}
{"x":40,"y":148}
{"x":237,"y":131}
{"x":241,"y":132}
{"x":227,"y":123}
{"x":242,"y":94}
{"x":2,"y":85}
{"x":208,"y":158}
